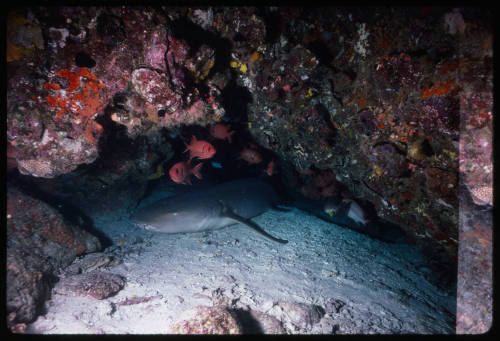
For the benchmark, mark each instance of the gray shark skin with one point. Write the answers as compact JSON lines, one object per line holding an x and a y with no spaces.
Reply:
{"x":209,"y":209}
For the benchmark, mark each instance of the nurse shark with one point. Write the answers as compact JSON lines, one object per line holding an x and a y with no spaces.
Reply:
{"x":210,"y":208}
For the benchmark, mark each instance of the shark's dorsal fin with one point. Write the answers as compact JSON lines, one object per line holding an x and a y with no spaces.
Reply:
{"x":228,"y":212}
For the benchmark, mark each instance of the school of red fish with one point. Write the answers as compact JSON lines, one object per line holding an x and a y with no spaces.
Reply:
{"x":182,"y":170}
{"x":203,"y":150}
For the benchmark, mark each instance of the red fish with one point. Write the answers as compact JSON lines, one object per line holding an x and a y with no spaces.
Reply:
{"x":270,"y":168}
{"x":181,"y":171}
{"x":251,"y":156}
{"x":221,"y":131}
{"x":200,"y":149}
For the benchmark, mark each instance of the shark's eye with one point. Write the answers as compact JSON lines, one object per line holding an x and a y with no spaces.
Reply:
{"x":177,"y":171}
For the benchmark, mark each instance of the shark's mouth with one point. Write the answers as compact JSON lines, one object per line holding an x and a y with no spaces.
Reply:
{"x":144,"y":226}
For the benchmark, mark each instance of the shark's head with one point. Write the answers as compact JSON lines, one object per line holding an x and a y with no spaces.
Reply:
{"x":172,"y":218}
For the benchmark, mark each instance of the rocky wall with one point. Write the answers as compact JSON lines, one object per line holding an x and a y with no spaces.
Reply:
{"x":390,"y":106}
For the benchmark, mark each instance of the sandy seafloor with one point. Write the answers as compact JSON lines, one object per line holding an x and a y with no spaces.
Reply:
{"x":382,"y":286}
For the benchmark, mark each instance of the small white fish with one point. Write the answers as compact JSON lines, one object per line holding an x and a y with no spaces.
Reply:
{"x":347,"y":208}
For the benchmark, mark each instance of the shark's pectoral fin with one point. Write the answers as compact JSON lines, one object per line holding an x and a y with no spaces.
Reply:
{"x":227,"y":212}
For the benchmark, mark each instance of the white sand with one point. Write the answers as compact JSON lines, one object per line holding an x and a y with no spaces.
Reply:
{"x":382,"y":285}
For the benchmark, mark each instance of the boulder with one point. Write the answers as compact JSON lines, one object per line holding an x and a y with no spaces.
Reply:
{"x":39,"y":243}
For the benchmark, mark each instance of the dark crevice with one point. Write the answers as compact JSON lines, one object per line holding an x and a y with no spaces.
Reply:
{"x":111,"y":29}
{"x":196,"y":36}
{"x":325,"y":114}
{"x":427,"y":148}
{"x":82,"y":59}
{"x":119,"y":100}
{"x":396,"y":147}
{"x":238,"y":37}
{"x":334,"y":94}
{"x":272,"y":21}
{"x":235,"y":100}
{"x":321,"y":51}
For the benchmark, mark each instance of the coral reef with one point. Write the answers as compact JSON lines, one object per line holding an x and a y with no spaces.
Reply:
{"x":336,"y":96}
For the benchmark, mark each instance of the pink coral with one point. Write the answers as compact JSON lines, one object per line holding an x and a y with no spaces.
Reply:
{"x":155,"y":89}
{"x":37,"y":167}
{"x":155,"y":51}
{"x":482,"y":195}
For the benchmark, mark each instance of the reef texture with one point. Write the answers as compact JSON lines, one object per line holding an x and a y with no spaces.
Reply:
{"x":40,"y":242}
{"x":391,"y":106}
{"x":63,"y":73}
{"x":96,"y":284}
{"x":207,"y":320}
{"x":379,"y":100}
{"x":115,"y":181}
{"x":225,"y":319}
{"x":475,"y":268}
{"x":299,"y":317}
